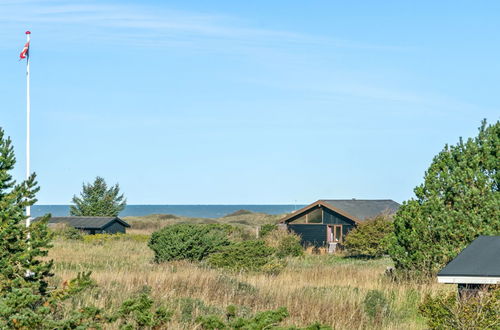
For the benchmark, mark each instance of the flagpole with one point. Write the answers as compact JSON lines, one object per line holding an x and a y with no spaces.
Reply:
{"x":28,"y":110}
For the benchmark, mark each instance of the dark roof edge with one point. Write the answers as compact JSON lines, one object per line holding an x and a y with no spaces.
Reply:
{"x":320,"y":202}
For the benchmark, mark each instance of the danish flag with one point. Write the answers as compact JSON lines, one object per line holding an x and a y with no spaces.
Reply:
{"x":25,"y":51}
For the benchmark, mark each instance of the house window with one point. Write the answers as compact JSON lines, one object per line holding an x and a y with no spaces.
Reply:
{"x":315,"y":216}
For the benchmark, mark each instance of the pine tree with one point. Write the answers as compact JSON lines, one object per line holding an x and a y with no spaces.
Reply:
{"x":25,"y":299}
{"x":97,"y":200}
{"x":458,"y":201}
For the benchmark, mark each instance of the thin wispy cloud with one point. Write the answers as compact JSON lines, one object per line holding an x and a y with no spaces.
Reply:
{"x":142,"y":25}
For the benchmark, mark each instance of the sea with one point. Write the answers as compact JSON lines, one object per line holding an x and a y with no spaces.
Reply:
{"x":192,"y":211}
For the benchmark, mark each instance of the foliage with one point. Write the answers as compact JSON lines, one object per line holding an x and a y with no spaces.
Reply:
{"x":376,"y":305}
{"x":457,"y":202}
{"x":26,"y":301}
{"x":267,"y":228}
{"x":188,"y":242}
{"x":260,"y":321}
{"x":370,"y":238}
{"x":96,"y":199}
{"x":243,"y":256}
{"x":481,"y":311}
{"x":139,"y":313}
{"x":67,"y":232}
{"x":191,"y":307}
{"x":287,"y":244}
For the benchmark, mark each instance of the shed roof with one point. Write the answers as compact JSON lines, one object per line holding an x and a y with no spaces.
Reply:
{"x":87,"y":222}
{"x":355,"y":209}
{"x":480,"y":259}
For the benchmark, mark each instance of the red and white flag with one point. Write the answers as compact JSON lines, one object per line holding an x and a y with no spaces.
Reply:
{"x":25,"y":51}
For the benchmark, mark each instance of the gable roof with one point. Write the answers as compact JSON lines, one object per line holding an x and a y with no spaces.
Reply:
{"x":356,"y":210}
{"x":87,"y":222}
{"x":481,"y":259}
{"x":364,"y":208}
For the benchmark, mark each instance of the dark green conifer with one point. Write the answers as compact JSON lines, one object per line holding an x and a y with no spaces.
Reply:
{"x":97,"y":200}
{"x":458,"y":201}
{"x":25,"y":299}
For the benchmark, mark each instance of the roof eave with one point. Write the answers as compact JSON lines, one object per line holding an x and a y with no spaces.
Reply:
{"x":323,"y":204}
{"x":451,"y":279}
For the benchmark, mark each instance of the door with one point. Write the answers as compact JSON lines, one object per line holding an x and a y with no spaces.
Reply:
{"x":329,"y":234}
{"x":337,"y":233}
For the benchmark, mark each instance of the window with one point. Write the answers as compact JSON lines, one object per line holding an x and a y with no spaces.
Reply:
{"x":314,"y":216}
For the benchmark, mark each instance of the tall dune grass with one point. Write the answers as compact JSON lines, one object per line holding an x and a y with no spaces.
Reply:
{"x":324,"y":288}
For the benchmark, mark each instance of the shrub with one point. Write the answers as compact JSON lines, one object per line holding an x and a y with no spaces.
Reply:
{"x":376,"y":305}
{"x":286,"y":243}
{"x":370,"y":238}
{"x":139,"y":312}
{"x":243,"y":256}
{"x":188,"y":241}
{"x":457,"y":202}
{"x":190,"y":308}
{"x":262,"y":320}
{"x":266,"y":229}
{"x":67,"y":232}
{"x":475,"y":312}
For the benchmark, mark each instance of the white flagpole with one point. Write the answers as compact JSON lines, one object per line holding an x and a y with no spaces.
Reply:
{"x":28,"y":109}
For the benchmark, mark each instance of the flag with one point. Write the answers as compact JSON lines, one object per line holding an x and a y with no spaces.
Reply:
{"x":25,"y":51}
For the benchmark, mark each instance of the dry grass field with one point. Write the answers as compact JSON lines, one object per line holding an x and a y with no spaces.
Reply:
{"x":325,"y":288}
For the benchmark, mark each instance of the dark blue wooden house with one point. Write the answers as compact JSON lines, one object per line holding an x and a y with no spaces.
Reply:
{"x":329,"y":220}
{"x":92,"y":225}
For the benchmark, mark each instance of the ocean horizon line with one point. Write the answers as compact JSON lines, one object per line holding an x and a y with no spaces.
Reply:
{"x":185,"y":210}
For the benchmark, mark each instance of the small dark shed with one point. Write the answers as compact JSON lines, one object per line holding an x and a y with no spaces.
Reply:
{"x":476,"y":266}
{"x":93,"y":225}
{"x":329,"y":220}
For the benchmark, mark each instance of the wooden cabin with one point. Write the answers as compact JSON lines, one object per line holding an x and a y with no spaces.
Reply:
{"x":477,"y":266}
{"x":93,"y":225}
{"x":327,"y":221}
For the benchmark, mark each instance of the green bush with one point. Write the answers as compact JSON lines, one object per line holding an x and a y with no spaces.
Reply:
{"x":192,"y":242}
{"x":290,"y":246}
{"x":260,"y":321}
{"x":66,"y":232}
{"x":243,"y":256}
{"x":287,"y":244}
{"x":266,"y":229}
{"x":376,"y":305}
{"x":139,"y":313}
{"x":190,"y":308}
{"x":481,"y":311}
{"x":370,"y":238}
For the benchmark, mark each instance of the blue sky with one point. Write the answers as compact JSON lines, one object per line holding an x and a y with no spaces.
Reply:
{"x":232,"y":102}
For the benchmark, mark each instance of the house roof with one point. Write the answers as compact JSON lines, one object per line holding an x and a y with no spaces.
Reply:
{"x":364,"y":209}
{"x":356,"y":210}
{"x":481,"y":259}
{"x":87,"y":222}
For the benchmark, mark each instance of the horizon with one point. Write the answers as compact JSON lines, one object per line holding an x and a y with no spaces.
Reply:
{"x":258,"y":103}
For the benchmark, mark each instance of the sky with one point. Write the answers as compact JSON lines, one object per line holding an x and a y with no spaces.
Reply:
{"x":245,"y":102}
